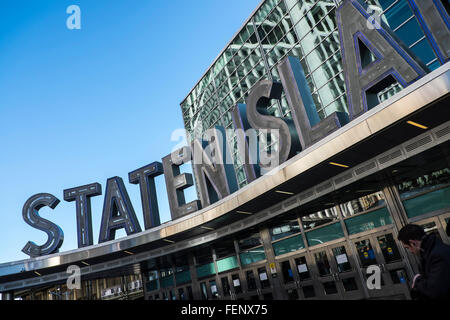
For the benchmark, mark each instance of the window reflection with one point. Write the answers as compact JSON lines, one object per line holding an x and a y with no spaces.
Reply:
{"x":284,"y":229}
{"x":362,"y":204}
{"x":319,"y":218}
{"x":426,"y":182}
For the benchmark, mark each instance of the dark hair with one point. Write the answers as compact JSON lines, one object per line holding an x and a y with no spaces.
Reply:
{"x":411,"y":232}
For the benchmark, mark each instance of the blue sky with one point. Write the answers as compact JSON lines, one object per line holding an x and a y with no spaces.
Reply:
{"x":81,"y":106}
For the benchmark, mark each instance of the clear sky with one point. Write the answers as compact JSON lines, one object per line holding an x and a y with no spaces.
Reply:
{"x":81,"y":106}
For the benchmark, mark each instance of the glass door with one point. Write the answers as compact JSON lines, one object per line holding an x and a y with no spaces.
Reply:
{"x":346,"y":272}
{"x":325,"y":275}
{"x":382,"y":250}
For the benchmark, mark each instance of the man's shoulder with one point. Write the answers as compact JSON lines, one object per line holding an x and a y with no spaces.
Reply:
{"x":440,"y":250}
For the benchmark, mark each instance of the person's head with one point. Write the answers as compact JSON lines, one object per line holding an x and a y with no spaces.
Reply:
{"x":411,"y":237}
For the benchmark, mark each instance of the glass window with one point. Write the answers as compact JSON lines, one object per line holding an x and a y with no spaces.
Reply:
{"x":213,"y":287}
{"x":389,"y":248}
{"x":341,"y":257}
{"x":206,"y":270}
{"x":368,"y":221}
{"x":288,"y":245}
{"x":363,"y":203}
{"x":431,"y":228}
{"x":227,"y":264}
{"x":319,"y":218}
{"x":224,"y":248}
{"x":365,"y":253}
{"x":429,"y":202}
{"x":324,"y":234}
{"x":426,"y":182}
{"x":284,"y":228}
{"x":225,"y":286}
{"x":286,"y":270}
{"x":322,"y":263}
{"x":251,"y":282}
{"x":183,"y":277}
{"x":252,"y":256}
{"x":250,"y":241}
{"x":309,"y":292}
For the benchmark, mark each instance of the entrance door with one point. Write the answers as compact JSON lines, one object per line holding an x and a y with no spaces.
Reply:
{"x":382,"y":250}
{"x":259,"y":285}
{"x":337,"y":273}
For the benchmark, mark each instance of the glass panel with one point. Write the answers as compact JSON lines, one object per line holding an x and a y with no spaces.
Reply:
{"x":181,"y":294}
{"x":251,"y":282}
{"x":250,"y":241}
{"x":389,"y":248}
{"x":330,"y":287}
{"x":227,"y":264}
{"x":183,"y":277}
{"x":319,"y":218}
{"x":322,"y":263}
{"x":427,"y":182}
{"x":302,"y":268}
{"x":152,"y":285}
{"x":206,"y":270}
{"x":226,"y":286}
{"x":252,"y":256}
{"x":213,"y":287}
{"x":167,"y":282}
{"x":350,"y":284}
{"x":263,"y":278}
{"x":286,"y":270}
{"x":365,"y":253}
{"x":309,"y":292}
{"x":429,"y":202}
{"x":363,"y":203}
{"x":368,"y":221}
{"x":340,"y":255}
{"x":204,"y":291}
{"x":189,"y":293}
{"x":324,"y":234}
{"x":284,"y":229}
{"x":236,"y":283}
{"x":288,"y":245}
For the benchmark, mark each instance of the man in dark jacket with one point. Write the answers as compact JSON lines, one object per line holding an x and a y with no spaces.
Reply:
{"x":434,"y":280}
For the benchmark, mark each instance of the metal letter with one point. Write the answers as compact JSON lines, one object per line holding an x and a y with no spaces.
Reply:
{"x":82,"y":197}
{"x":31,"y":216}
{"x":74,"y":280}
{"x":259,"y":118}
{"x":374,"y":281}
{"x":394,"y":59}
{"x":309,"y":127}
{"x":177,"y":182}
{"x":118,"y":211}
{"x":216,"y":178}
{"x":434,"y":20}
{"x":145,"y":177}
{"x":249,"y":154}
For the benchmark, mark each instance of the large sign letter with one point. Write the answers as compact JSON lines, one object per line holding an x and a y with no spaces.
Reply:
{"x":82,"y":197}
{"x":118,"y":212}
{"x":177,"y":182}
{"x":373,"y":58}
{"x":145,"y":177}
{"x":259,"y":118}
{"x":309,"y":127}
{"x":31,"y":216}
{"x":213,"y":167}
{"x":246,"y":141}
{"x":434,"y":20}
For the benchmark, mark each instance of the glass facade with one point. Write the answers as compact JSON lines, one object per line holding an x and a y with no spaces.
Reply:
{"x":305,"y":29}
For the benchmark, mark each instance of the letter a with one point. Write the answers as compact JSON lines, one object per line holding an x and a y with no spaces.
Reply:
{"x":73,"y":21}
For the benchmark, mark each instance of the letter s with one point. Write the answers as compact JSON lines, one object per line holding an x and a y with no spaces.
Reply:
{"x":31,"y":216}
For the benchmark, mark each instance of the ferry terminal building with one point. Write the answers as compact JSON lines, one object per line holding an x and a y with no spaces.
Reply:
{"x":311,"y":228}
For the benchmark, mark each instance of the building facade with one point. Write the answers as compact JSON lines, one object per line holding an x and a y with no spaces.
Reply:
{"x":318,"y":225}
